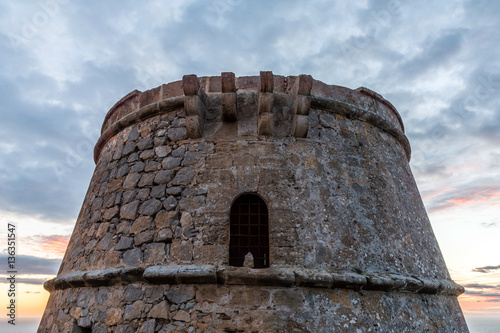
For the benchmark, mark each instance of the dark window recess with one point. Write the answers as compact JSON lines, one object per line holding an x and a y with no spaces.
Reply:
{"x":249,"y":231}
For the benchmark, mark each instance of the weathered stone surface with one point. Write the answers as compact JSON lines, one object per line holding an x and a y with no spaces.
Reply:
{"x":174,"y":190}
{"x":175,"y":134}
{"x":131,"y":180}
{"x":160,"y":310}
{"x":144,"y":237}
{"x":141,"y":224}
{"x":138,"y":167}
{"x":113,"y":316}
{"x":171,"y":162}
{"x":129,"y":210}
{"x":165,"y":219}
{"x":129,"y":148}
{"x":331,"y":165}
{"x":133,"y":311}
{"x":133,"y":293}
{"x":183,"y":177}
{"x":151,"y":166}
{"x":182,"y":316}
{"x":124,"y":243}
{"x":162,"y":151}
{"x":170,"y":203}
{"x":150,"y":207}
{"x":158,"y":191}
{"x":178,"y":152}
{"x":163,"y":176}
{"x":146,"y":180}
{"x":148,"y":326}
{"x":154,"y":253}
{"x":180,"y":294}
{"x":132,"y":257}
{"x":181,"y":251}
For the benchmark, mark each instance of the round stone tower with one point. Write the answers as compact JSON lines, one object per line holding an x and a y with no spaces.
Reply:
{"x":252,"y":204}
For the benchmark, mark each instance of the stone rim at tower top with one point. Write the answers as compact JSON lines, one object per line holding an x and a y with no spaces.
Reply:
{"x":300,"y":92}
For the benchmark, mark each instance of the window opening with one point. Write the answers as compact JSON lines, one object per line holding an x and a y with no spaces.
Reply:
{"x":249,"y":231}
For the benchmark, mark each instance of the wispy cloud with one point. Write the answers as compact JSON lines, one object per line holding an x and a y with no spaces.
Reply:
{"x":54,"y":244}
{"x":486,"y":269}
{"x":452,"y":198}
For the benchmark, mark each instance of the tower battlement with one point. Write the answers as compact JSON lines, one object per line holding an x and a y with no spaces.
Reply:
{"x":250,"y":106}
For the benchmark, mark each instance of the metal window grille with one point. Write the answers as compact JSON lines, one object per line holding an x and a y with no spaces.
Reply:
{"x":249,"y":231}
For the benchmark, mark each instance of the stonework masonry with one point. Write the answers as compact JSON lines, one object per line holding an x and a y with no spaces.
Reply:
{"x":350,"y":245}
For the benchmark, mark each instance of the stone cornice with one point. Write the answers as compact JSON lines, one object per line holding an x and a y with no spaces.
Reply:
{"x":279,"y":276}
{"x":303,"y":91}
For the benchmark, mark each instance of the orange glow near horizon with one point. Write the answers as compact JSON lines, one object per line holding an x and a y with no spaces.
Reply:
{"x":475,"y":305}
{"x":31,"y":299}
{"x":482,"y":294}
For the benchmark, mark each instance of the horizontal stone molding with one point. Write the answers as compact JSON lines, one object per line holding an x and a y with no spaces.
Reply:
{"x":167,"y":105}
{"x":354,"y":112}
{"x":274,"y":276}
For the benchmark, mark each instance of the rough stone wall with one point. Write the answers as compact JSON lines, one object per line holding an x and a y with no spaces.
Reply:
{"x":346,"y":193}
{"x":207,"y":308}
{"x":341,"y":197}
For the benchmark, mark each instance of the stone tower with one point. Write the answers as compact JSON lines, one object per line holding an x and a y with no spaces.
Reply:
{"x":252,"y":204}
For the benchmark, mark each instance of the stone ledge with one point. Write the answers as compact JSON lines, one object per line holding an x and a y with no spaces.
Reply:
{"x":164,"y":106}
{"x":274,"y":276}
{"x":355,"y":112}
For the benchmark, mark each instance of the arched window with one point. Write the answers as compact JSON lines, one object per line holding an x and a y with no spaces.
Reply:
{"x":249,"y":231}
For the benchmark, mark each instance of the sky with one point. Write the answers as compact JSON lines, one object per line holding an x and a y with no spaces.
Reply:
{"x":64,"y":64}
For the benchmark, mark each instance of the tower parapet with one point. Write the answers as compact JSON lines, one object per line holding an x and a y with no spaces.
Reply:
{"x":281,"y":106}
{"x":199,"y":180}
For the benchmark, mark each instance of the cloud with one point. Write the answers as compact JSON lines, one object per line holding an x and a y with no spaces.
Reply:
{"x":486,"y":269}
{"x":490,"y":224}
{"x":436,"y":52}
{"x":53,"y":244}
{"x":34,"y":265}
{"x":481,"y":286}
{"x":482,"y":293}
{"x":452,"y":198}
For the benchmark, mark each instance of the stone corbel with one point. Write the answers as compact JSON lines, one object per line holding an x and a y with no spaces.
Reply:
{"x":302,"y":105}
{"x":194,"y":106}
{"x":229,"y":106}
{"x":265,"y":104}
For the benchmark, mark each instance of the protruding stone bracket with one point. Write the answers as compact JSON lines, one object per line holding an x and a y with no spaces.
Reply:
{"x":229,"y":106}
{"x":302,"y":105}
{"x":194,"y":105}
{"x":265,"y":104}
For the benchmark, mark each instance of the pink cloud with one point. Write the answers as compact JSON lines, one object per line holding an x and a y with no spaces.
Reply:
{"x":54,"y":244}
{"x":452,"y":198}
